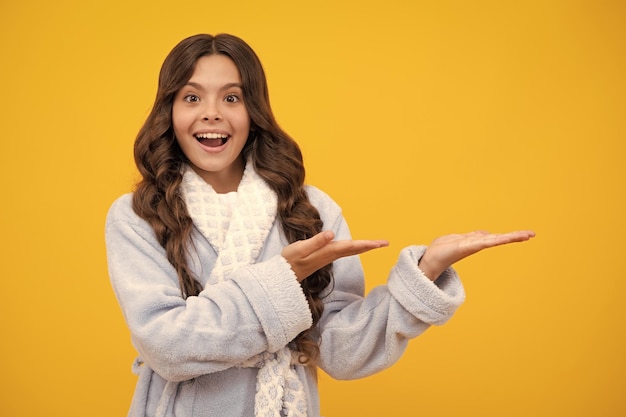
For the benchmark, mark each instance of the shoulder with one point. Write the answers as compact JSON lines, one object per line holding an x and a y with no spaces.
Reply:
{"x":121,"y":205}
{"x":327,"y":207}
{"x":124,"y":225}
{"x":121,"y":210}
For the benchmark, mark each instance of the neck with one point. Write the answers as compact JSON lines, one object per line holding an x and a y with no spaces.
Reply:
{"x":224,"y":181}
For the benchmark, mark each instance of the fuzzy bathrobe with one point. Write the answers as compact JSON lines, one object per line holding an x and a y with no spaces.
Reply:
{"x":193,"y":353}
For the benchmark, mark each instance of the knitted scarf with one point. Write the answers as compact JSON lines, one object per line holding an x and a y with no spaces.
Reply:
{"x":279,"y":391}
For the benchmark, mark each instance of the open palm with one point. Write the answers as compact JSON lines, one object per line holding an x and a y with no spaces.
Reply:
{"x":306,"y":256}
{"x":449,"y":249}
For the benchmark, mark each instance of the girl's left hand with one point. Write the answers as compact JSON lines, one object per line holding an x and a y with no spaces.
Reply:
{"x":447,"y":250}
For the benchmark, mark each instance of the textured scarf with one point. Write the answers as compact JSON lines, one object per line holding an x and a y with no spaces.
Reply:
{"x":238,"y":236}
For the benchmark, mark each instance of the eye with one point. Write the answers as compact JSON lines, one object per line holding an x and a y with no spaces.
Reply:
{"x":232,"y":98}
{"x":191,"y":98}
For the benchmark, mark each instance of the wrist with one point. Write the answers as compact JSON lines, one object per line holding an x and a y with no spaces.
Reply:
{"x":430,"y":271}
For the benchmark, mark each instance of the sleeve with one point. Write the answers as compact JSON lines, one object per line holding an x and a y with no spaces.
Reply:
{"x":361,"y":335}
{"x":259,"y":308}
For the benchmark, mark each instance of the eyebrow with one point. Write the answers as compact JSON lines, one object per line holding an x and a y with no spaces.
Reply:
{"x":224,"y":87}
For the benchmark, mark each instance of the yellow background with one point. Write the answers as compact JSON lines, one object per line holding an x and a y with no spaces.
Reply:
{"x":420,"y":118}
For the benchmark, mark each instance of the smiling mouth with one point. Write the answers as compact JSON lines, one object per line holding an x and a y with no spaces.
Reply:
{"x":212,"y":140}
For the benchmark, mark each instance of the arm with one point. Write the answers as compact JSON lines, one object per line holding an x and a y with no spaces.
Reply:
{"x":362,"y":335}
{"x":260,"y":307}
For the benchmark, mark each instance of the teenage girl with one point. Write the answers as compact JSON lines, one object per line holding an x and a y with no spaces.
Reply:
{"x":237,"y":280}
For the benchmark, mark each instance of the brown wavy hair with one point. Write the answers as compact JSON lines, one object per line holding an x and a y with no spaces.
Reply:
{"x":276,"y":157}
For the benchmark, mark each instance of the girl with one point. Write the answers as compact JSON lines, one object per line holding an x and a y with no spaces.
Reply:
{"x":235,"y":279}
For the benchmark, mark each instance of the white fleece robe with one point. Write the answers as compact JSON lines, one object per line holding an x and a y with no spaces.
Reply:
{"x":261,"y":307}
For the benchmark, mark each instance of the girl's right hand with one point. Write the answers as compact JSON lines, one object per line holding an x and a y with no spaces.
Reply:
{"x":309,"y":255}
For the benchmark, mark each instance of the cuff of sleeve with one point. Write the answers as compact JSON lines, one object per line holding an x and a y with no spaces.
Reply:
{"x":281,"y":305}
{"x":431,"y":302}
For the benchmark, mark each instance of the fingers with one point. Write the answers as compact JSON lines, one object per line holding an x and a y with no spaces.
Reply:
{"x":341,"y":248}
{"x":449,"y":249}
{"x":518,"y":236}
{"x":487,"y":240}
{"x":307,"y":247}
{"x":322,"y":246}
{"x":307,"y":256}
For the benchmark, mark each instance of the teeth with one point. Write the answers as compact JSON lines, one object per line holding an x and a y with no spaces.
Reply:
{"x":211,"y":136}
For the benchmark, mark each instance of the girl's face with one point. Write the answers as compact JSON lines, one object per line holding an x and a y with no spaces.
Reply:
{"x":211,"y":122}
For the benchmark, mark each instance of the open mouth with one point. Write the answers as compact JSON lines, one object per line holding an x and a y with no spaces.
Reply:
{"x":212,"y":140}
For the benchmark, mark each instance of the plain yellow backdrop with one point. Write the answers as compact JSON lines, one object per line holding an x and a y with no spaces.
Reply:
{"x":420,"y":118}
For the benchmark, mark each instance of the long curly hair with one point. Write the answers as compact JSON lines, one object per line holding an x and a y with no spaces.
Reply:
{"x":276,"y":157}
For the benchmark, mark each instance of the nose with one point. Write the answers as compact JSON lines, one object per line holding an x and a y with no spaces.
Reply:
{"x":211,"y":112}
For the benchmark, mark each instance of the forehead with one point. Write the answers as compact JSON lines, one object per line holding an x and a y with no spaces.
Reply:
{"x":215,"y":68}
